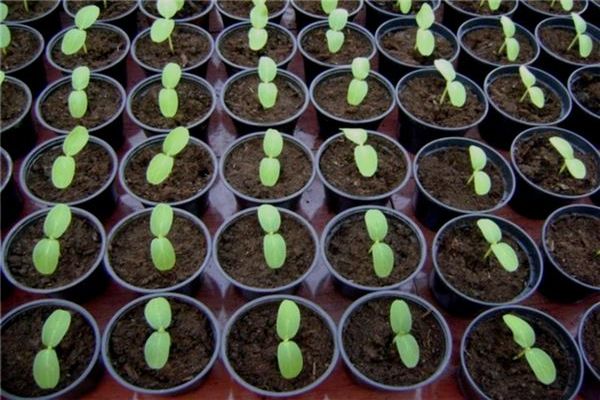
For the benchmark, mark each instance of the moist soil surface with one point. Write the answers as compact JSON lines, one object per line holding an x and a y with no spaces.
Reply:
{"x":474,"y":7}
{"x":17,"y":11}
{"x":400,"y":44}
{"x":235,"y":48}
{"x":591,"y":344}
{"x":192,"y":345}
{"x":129,"y":253}
{"x":22,"y":48}
{"x":373,"y":352}
{"x":485,"y":43}
{"x":191,"y":173}
{"x":21,"y":341}
{"x":356,"y":44}
{"x":189,"y":9}
{"x":113,"y":9}
{"x":240,"y":252}
{"x":339,"y":168}
{"x":541,"y":163}
{"x":252,"y":348}
{"x":314,"y":7}
{"x":444,"y":175}
{"x":13,"y":109}
{"x":587,"y":90}
{"x":421,"y":97}
{"x":348,"y":251}
{"x":555,"y":8}
{"x":391,"y":6}
{"x":491,"y":353}
{"x":104,"y":46}
{"x":243,"y":163}
{"x":558,"y":40}
{"x":460,"y":257}
{"x":241,"y":9}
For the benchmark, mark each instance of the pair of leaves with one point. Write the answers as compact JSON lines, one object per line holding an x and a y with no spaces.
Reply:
{"x":404,"y":6}
{"x":5,"y":36}
{"x":334,"y":35}
{"x":575,"y":166}
{"x":401,"y":323}
{"x":328,"y":6}
{"x":267,"y":90}
{"x":161,"y":165}
{"x":46,"y":252}
{"x":481,"y":179}
{"x":156,"y":349}
{"x":161,"y":249}
{"x":289,"y":355}
{"x":75,"y":37}
{"x":510,"y":43}
{"x":506,"y":255}
{"x":383,"y":255}
{"x":566,"y":5}
{"x":46,"y":368}
{"x":425,"y":40}
{"x":63,"y":168}
{"x":168,"y":100}
{"x":536,"y":95}
{"x":454,"y":89}
{"x":162,"y":28}
{"x":358,"y":88}
{"x":494,"y":5}
{"x":270,"y":167}
{"x":168,"y":8}
{"x":257,"y":35}
{"x":365,"y":156}
{"x":586,"y":44}
{"x":274,"y":246}
{"x":78,"y":101}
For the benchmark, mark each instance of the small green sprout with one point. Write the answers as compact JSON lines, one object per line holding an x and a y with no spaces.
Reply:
{"x":161,"y":249}
{"x":269,"y":166}
{"x":156,"y":349}
{"x":575,"y":166}
{"x":510,"y":43}
{"x":337,"y":22}
{"x":63,"y":168}
{"x":5,"y":36}
{"x":505,"y":254}
{"x":454,"y":89}
{"x":383,"y":255}
{"x":26,"y":5}
{"x":404,"y":6}
{"x":358,"y":88}
{"x":74,"y":39}
{"x":162,"y":28}
{"x":289,"y":355}
{"x":566,"y":5}
{"x":480,"y":179}
{"x":267,"y":90}
{"x":274,"y":247}
{"x":539,"y":361}
{"x":46,"y":368}
{"x":365,"y":155}
{"x":2,"y":75}
{"x":168,"y":101}
{"x":47,"y":250}
{"x":493,"y":4}
{"x":161,"y":165}
{"x":425,"y":41}
{"x":258,"y":35}
{"x":536,"y":95}
{"x":585,"y":41}
{"x":78,"y":101}
{"x":406,"y":344}
{"x":328,"y":6}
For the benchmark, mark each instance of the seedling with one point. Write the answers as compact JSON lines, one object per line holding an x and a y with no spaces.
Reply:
{"x":274,"y":247}
{"x":269,"y":166}
{"x":168,"y":101}
{"x":539,"y":361}
{"x":267,"y":90}
{"x":5,"y":36}
{"x":289,"y":355}
{"x":406,"y":344}
{"x":481,"y":180}
{"x":47,"y":250}
{"x":404,"y":6}
{"x":257,"y":35}
{"x":566,"y":5}
{"x":358,"y":88}
{"x":63,"y":168}
{"x":46,"y":368}
{"x":365,"y":155}
{"x":454,"y":89}
{"x":585,"y":41}
{"x":74,"y":39}
{"x":161,"y":165}
{"x":337,"y":22}
{"x":492,"y":4}
{"x":575,"y":166}
{"x":162,"y":28}
{"x":2,"y":75}
{"x":383,"y":255}
{"x":78,"y":101}
{"x":158,"y":315}
{"x":505,"y":254}
{"x":536,"y":95}
{"x":510,"y":43}
{"x":161,"y":249}
{"x":328,"y":6}
{"x":425,"y":41}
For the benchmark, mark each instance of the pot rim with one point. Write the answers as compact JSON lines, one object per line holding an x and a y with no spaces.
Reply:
{"x":351,"y":14}
{"x":579,"y":336}
{"x":571,"y":81}
{"x":9,"y":162}
{"x":37,"y":53}
{"x":191,"y":18}
{"x":38,"y":17}
{"x":236,"y":18}
{"x":107,"y":20}
{"x":28,"y":103}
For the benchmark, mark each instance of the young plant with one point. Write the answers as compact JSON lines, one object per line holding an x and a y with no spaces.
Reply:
{"x":162,"y":28}
{"x":539,"y":361}
{"x":161,"y":249}
{"x":575,"y":166}
{"x":510,"y":43}
{"x":47,"y":250}
{"x":365,"y":155}
{"x":383,"y":255}
{"x":63,"y":168}
{"x":328,"y":6}
{"x":454,"y":89}
{"x":492,"y":4}
{"x":269,"y":166}
{"x":481,"y":180}
{"x":358,"y":88}
{"x":337,"y":22}
{"x":74,"y":39}
{"x":168,"y":101}
{"x":46,"y":368}
{"x":425,"y":41}
{"x":585,"y":41}
{"x":505,"y":254}
{"x":404,"y":6}
{"x":257,"y":35}
{"x":161,"y":165}
{"x":566,"y":5}
{"x":156,"y":349}
{"x":406,"y":344}
{"x":78,"y":101}
{"x":289,"y":355}
{"x":536,"y":95}
{"x":267,"y":90}
{"x":5,"y":36}
{"x":274,"y":247}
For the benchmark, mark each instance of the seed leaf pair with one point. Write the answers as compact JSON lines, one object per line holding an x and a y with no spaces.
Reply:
{"x":158,"y":345}
{"x":586,"y":44}
{"x":575,"y":166}
{"x":161,"y":165}
{"x":454,"y":89}
{"x":328,"y":6}
{"x":46,"y":251}
{"x":46,"y":368}
{"x":162,"y":28}
{"x":404,"y":6}
{"x":258,"y":35}
{"x":506,"y":255}
{"x":63,"y":168}
{"x":425,"y":41}
{"x":267,"y":90}
{"x":365,"y":155}
{"x":270,"y":167}
{"x":77,"y":100}
{"x":274,"y":246}
{"x":289,"y":355}
{"x":383,"y":255}
{"x":481,"y":180}
{"x":358,"y":88}
{"x":494,"y":5}
{"x":74,"y":39}
{"x":5,"y":36}
{"x":566,"y":5}
{"x":510,"y":43}
{"x":161,"y":249}
{"x":337,"y":22}
{"x":536,"y":95}
{"x":406,"y":344}
{"x":168,"y":100}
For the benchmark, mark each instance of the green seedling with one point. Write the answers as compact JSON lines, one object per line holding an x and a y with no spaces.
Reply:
{"x":161,"y":165}
{"x":74,"y":39}
{"x":480,"y":179}
{"x":2,"y":75}
{"x":46,"y":368}
{"x":274,"y":246}
{"x":168,"y":101}
{"x":494,"y":5}
{"x":156,"y":349}
{"x":383,"y":255}
{"x":63,"y":168}
{"x":267,"y":90}
{"x":78,"y":100}
{"x":161,"y":249}
{"x":337,"y":22}
{"x":406,"y":344}
{"x":47,"y":250}
{"x":269,"y":166}
{"x":365,"y":156}
{"x":358,"y":88}
{"x":289,"y":355}
{"x":162,"y":28}
{"x":328,"y":6}
{"x":575,"y":166}
{"x":425,"y":41}
{"x":404,"y":6}
{"x":506,"y":255}
{"x":535,"y":93}
{"x":257,"y":35}
{"x":566,"y":5}
{"x":585,"y":41}
{"x":539,"y":361}
{"x":510,"y":43}
{"x":454,"y":89}
{"x":5,"y":36}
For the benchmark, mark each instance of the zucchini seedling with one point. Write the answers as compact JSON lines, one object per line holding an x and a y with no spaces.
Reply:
{"x":274,"y":246}
{"x":481,"y":180}
{"x":162,"y":28}
{"x":575,"y":166}
{"x":270,"y":167}
{"x":46,"y":251}
{"x":46,"y":368}
{"x":289,"y":355}
{"x":78,"y":100}
{"x":365,"y":156}
{"x":566,"y":5}
{"x":168,"y":100}
{"x":358,"y":88}
{"x":585,"y":41}
{"x":334,"y":35}
{"x":506,"y":255}
{"x":74,"y":39}
{"x":63,"y":168}
{"x":493,"y":5}
{"x":267,"y":90}
{"x":425,"y":41}
{"x":161,"y":164}
{"x":510,"y":43}
{"x":406,"y":344}
{"x":158,"y":345}
{"x":259,"y":16}
{"x":404,"y":6}
{"x":328,"y":6}
{"x":5,"y":36}
{"x":535,"y":93}
{"x":454,"y":89}
{"x":161,"y":249}
{"x":383,"y":255}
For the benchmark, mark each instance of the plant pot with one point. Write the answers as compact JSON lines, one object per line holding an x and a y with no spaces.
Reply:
{"x":232,"y":13}
{"x":378,"y":11}
{"x":584,"y":117}
{"x":592,"y":13}
{"x":44,"y":17}
{"x":241,"y":236}
{"x":28,"y":68}
{"x":261,"y":338}
{"x":188,"y":13}
{"x":345,"y":187}
{"x":500,"y":127}
{"x":128,"y":260}
{"x":420,"y":125}
{"x":80,"y":271}
{"x":192,"y":197}
{"x":307,"y":11}
{"x":498,"y":368}
{"x":9,"y":196}
{"x":529,"y":15}
{"x":87,"y":372}
{"x":282,"y":117}
{"x":537,"y":193}
{"x":364,"y":362}
{"x":457,"y":12}
{"x":465,"y":284}
{"x":193,"y":325}
{"x":587,"y":333}
{"x":346,"y":246}
{"x":118,"y":12}
{"x":17,"y":134}
{"x":239,"y":167}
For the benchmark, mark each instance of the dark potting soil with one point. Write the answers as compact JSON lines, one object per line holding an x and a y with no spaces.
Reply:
{"x":189,"y":9}
{"x":554,"y":7}
{"x":559,"y":39}
{"x":339,"y":168}
{"x":491,"y":359}
{"x":191,"y":173}
{"x":573,"y":241}
{"x":235,"y":48}
{"x":486,"y":42}
{"x":129,"y":253}
{"x":356,"y":44}
{"x":240,"y":252}
{"x":421,"y":97}
{"x":104,"y":46}
{"x":444,"y":175}
{"x":475,"y":7}
{"x":113,"y":8}
{"x":93,"y":167}
{"x":314,"y":7}
{"x":17,"y":11}
{"x":252,"y":348}
{"x":587,"y":90}
{"x":373,"y":352}
{"x":22,"y":48}
{"x":242,"y":167}
{"x":21,"y":341}
{"x":13,"y":109}
{"x":79,"y":248}
{"x":460,"y":257}
{"x":348,"y":251}
{"x":400,"y":44}
{"x":591,"y":344}
{"x":331,"y":93}
{"x":541,"y":163}
{"x":192,"y":345}
{"x":391,"y":6}
{"x":241,"y":9}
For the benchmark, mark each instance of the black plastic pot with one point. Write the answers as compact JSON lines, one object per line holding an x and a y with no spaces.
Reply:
{"x":201,"y":19}
{"x":126,"y":21}
{"x":376,"y":16}
{"x":433,"y":213}
{"x":303,"y":17}
{"x":32,"y":72}
{"x":454,"y":16}
{"x":18,"y":137}
{"x":230,"y":19}
{"x":529,"y":16}
{"x":9,"y":196}
{"x":459,"y":303}
{"x":500,"y":128}
{"x":592,"y":13}
{"x":591,"y":375}
{"x":534,"y":201}
{"x":47,"y":24}
{"x":581,"y":119}
{"x":595,"y":197}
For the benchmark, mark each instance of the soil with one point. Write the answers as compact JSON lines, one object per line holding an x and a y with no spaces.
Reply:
{"x":591,"y":344}
{"x":242,"y":169}
{"x":240,"y":252}
{"x":13,"y":109}
{"x":129,"y":253}
{"x":444,"y":175}
{"x":191,"y":173}
{"x":331,"y":93}
{"x":587,"y":90}
{"x":390,"y":6}
{"x":559,"y":39}
{"x":252,"y":348}
{"x":556,"y":9}
{"x":373,"y":352}
{"x":104,"y":47}
{"x":242,"y":99}
{"x":314,"y":7}
{"x":573,"y":241}
{"x":490,"y":359}
{"x":17,"y":12}
{"x":400,"y":44}
{"x":241,"y":9}
{"x":189,"y":9}
{"x":339,"y":168}
{"x":113,"y":9}
{"x":192,"y":345}
{"x":348,"y":251}
{"x":421,"y":97}
{"x":541,"y":163}
{"x":23,"y":47}
{"x":460,"y":257}
{"x":356,"y":44}
{"x":476,"y":8}
{"x":79,"y":249}
{"x":21,"y":342}
{"x":486,"y":42}
{"x":235,"y":48}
